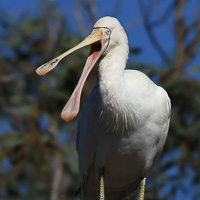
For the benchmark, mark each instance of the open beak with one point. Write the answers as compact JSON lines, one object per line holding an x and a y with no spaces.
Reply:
{"x":71,"y":109}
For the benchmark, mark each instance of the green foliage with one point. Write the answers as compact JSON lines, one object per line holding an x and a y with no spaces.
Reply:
{"x":31,"y":107}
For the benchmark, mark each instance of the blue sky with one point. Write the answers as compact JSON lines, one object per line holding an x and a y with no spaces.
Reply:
{"x":129,"y":13}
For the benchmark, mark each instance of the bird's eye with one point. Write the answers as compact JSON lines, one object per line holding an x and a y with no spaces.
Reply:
{"x":108,"y":32}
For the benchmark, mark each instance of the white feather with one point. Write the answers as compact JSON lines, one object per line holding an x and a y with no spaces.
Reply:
{"x":123,"y":125}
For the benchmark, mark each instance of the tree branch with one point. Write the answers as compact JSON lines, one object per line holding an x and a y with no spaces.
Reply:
{"x":191,"y":49}
{"x":181,"y":33}
{"x":184,"y":52}
{"x":165,"y":16}
{"x":149,"y":30}
{"x":118,"y":7}
{"x":88,"y":7}
{"x":57,"y":177}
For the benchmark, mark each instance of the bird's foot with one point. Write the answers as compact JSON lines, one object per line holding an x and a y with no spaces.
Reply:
{"x":141,"y":189}
{"x":102,"y":193}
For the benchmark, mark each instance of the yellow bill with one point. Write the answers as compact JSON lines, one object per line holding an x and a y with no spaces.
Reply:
{"x":95,"y":36}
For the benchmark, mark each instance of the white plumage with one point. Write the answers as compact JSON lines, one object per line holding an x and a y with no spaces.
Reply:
{"x":124,"y":123}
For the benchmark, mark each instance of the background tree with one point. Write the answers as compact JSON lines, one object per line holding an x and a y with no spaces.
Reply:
{"x":38,"y":157}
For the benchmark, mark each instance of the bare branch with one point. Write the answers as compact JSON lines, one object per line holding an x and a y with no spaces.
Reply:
{"x":57,"y":177}
{"x":81,"y":21}
{"x":185,"y":52}
{"x":191,"y":49}
{"x":118,"y":7}
{"x":181,"y":33}
{"x":149,"y":29}
{"x":130,"y":24}
{"x":89,"y":8}
{"x":91,"y":5}
{"x":165,"y":16}
{"x":15,"y":76}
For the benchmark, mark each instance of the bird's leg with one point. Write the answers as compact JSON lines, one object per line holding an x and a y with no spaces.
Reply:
{"x":102,"y":193}
{"x":141,"y":189}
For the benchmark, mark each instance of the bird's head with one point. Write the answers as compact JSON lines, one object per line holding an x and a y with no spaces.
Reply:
{"x":105,"y":36}
{"x":113,"y":33}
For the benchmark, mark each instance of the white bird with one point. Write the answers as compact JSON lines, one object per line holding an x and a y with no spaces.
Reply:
{"x":125,"y":121}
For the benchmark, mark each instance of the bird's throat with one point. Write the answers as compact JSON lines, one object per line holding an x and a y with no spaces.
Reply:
{"x":111,"y":74}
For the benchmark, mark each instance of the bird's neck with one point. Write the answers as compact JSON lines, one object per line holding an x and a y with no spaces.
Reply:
{"x":111,"y":72}
{"x":113,"y":90}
